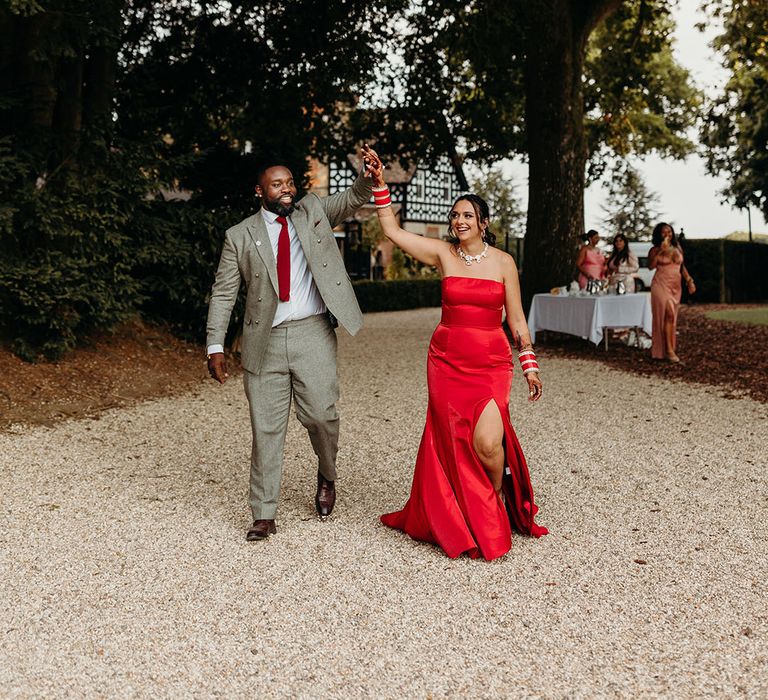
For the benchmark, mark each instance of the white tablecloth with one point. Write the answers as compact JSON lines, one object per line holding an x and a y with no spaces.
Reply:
{"x":587,"y":316}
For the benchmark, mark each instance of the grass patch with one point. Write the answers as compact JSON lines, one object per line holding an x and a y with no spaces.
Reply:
{"x":757,"y":316}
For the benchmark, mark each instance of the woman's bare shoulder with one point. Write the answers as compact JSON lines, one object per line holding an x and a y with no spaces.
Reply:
{"x":505,"y":261}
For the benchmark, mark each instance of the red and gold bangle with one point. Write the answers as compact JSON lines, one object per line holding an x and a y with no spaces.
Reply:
{"x":381,"y":198}
{"x":528,"y":361}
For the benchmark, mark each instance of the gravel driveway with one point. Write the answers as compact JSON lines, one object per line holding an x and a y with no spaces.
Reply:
{"x":124,"y":570}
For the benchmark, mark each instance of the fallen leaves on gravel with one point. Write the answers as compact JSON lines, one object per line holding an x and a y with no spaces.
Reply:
{"x":730,"y":356}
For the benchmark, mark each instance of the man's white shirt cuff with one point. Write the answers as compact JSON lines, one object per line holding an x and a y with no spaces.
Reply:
{"x":212,"y":349}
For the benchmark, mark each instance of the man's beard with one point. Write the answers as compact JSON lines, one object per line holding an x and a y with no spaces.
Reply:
{"x":277,"y":207}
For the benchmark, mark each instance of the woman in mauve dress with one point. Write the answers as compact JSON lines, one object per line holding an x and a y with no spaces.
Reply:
{"x":666,"y":257}
{"x":591,"y":261}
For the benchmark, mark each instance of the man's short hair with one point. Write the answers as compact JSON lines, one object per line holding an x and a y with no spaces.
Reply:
{"x":265,"y":165}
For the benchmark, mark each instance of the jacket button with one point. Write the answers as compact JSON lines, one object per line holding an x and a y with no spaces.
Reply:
{"x":338,"y":283}
{"x":257,"y":274}
{"x":259,"y":298}
{"x":257,"y":323}
{"x":318,"y":240}
{"x":325,"y":264}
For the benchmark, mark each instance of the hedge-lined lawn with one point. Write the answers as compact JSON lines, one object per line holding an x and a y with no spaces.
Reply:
{"x":756,"y":315}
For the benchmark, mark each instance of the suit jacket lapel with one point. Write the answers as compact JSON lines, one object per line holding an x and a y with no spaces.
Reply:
{"x":301,"y":224}
{"x":258,"y":232}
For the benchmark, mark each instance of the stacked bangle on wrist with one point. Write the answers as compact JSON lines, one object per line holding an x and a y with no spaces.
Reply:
{"x":528,"y":361}
{"x":381,"y":197}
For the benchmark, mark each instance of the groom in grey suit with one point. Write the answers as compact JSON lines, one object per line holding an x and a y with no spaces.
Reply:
{"x":288,"y":258}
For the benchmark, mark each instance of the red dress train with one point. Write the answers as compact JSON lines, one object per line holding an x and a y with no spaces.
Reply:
{"x":452,"y":502}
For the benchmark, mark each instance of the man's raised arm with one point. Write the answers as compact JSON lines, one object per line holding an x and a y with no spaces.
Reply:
{"x":342,"y":205}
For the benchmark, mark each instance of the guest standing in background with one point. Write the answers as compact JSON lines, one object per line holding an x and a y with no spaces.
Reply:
{"x":666,"y":257}
{"x":591,"y":261}
{"x":622,"y":264}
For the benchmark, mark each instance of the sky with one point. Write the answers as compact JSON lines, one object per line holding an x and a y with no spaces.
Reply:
{"x":688,"y":196}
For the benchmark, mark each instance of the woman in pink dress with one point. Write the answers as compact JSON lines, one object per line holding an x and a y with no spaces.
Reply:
{"x":591,"y":262}
{"x":666,"y":257}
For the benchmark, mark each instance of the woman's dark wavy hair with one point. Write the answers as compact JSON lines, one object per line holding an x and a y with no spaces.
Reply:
{"x":482,"y":212}
{"x":619,"y":256}
{"x":586,"y":236}
{"x":657,"y":237}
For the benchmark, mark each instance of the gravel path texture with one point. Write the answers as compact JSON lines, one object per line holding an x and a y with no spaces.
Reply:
{"x":124,"y":570}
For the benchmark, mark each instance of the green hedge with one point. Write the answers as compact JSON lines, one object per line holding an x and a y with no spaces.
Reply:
{"x":745,"y":272}
{"x":728,"y":271}
{"x":397,"y":295}
{"x":702,"y":258}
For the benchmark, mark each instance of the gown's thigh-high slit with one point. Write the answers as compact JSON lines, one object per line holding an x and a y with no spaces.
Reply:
{"x":475,"y":427}
{"x":452,"y":501}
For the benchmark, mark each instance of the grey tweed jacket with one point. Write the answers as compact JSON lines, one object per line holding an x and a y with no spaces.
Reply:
{"x":247,"y":256}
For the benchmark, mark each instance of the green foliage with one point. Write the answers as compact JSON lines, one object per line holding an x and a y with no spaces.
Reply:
{"x":505,"y":77}
{"x":638,"y":99}
{"x":405,"y":267}
{"x":751,"y":316}
{"x":507,"y":215}
{"x":743,"y":236}
{"x":372,"y":233}
{"x":67,"y":261}
{"x":110,"y":102}
{"x":397,"y":295}
{"x":24,"y":7}
{"x":237,"y":83}
{"x":178,"y":245}
{"x":631,"y":207}
{"x":736,"y":127}
{"x":469,"y":59}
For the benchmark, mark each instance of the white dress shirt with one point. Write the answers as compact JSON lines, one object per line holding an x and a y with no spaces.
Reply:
{"x":305,"y":299}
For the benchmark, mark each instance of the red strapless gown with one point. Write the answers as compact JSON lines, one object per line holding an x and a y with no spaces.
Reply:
{"x":452,"y":502}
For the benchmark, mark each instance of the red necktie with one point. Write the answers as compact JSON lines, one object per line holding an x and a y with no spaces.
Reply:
{"x":284,"y":260}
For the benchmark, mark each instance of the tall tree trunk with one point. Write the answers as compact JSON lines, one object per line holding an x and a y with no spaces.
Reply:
{"x":556,"y":38}
{"x":68,"y":115}
{"x":34,"y":73}
{"x":100,"y":66}
{"x":7,"y":30}
{"x":99,"y":85}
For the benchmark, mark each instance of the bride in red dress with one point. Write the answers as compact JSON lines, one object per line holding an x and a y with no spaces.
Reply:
{"x":470,"y":484}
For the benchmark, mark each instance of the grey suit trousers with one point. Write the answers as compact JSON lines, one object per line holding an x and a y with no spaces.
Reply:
{"x":300,"y":363}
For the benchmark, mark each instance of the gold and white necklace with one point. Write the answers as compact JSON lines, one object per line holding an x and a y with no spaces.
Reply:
{"x":469,"y":259}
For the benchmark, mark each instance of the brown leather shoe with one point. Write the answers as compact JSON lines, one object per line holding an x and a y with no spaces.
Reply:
{"x":325,"y":498}
{"x":260,"y":530}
